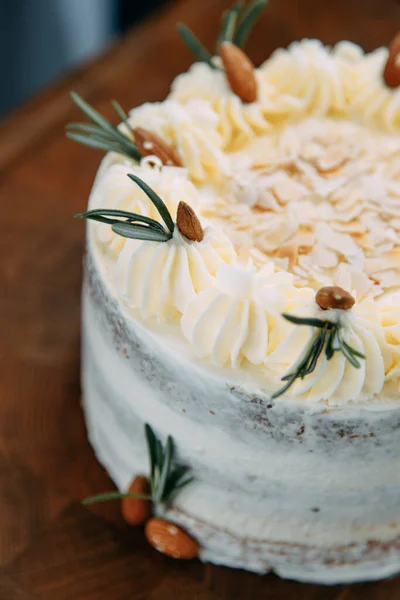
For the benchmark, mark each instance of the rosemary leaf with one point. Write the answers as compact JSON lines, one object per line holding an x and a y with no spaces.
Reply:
{"x":182,"y":484}
{"x":95,"y":116}
{"x":97,"y":143}
{"x":159,"y":455}
{"x":195,"y":45}
{"x":304,"y":320}
{"x":166,"y":466}
{"x":107,"y":138}
{"x":139,"y":232}
{"x":353,"y":350}
{"x":106,"y":496}
{"x":174,"y":479}
{"x":98,"y":218}
{"x":151,"y":441}
{"x":348,"y":353}
{"x":228,"y":24}
{"x":123,"y":214}
{"x":156,"y":200}
{"x":122,"y":114}
{"x":318,"y":347}
{"x":247,"y":21}
{"x":283,"y":389}
{"x":335,"y":339}
{"x":329,"y":350}
{"x":89,"y":128}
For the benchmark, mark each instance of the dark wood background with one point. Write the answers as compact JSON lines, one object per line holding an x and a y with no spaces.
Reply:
{"x":50,"y":546}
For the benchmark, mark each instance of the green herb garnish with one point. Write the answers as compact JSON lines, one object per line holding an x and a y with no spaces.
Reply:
{"x":102,"y":135}
{"x":236,"y":24}
{"x":327,"y":340}
{"x":133,"y":225}
{"x":166,"y":478}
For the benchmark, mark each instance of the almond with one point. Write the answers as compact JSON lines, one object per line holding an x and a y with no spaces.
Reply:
{"x":136,"y":510}
{"x":334,"y":297}
{"x":188,"y":223}
{"x":150,"y":143}
{"x":170,"y":539}
{"x":239,"y":71}
{"x":391,"y":74}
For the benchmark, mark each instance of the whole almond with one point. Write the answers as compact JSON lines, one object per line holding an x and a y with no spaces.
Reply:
{"x":188,"y":223}
{"x":391,"y":74}
{"x":239,"y":71}
{"x":334,"y":297}
{"x":170,"y":539}
{"x":136,"y":510}
{"x":150,"y":143}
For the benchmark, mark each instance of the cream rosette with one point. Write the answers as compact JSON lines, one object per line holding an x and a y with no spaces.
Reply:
{"x":190,"y":128}
{"x":336,"y":381}
{"x":160,"y":279}
{"x":371,"y":99}
{"x":238,"y":121}
{"x":229,"y":323}
{"x":115,"y":190}
{"x":389,"y":311}
{"x":316,"y":79}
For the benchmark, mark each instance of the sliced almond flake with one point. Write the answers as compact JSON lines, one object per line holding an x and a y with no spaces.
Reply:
{"x":352,"y":227}
{"x":389,"y":279}
{"x":334,"y":158}
{"x":288,"y":190}
{"x":290,"y":250}
{"x":389,"y":260}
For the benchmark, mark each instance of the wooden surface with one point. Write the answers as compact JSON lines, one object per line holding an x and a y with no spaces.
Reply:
{"x":50,"y":546}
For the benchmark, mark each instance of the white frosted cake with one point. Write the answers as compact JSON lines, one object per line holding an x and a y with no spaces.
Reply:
{"x":289,"y":424}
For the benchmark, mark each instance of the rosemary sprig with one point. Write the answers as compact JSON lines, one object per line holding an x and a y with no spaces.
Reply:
{"x":156,"y":200}
{"x":166,"y":477}
{"x":107,"y":496}
{"x":228,"y":24}
{"x":133,"y":225}
{"x":195,"y":45}
{"x":102,"y":135}
{"x":328,"y":340}
{"x":236,"y":24}
{"x":247,"y":21}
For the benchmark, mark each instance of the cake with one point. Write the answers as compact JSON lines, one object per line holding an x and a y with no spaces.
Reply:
{"x":256,"y":320}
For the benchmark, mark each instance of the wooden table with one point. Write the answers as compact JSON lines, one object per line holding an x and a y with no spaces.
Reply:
{"x":50,"y":546}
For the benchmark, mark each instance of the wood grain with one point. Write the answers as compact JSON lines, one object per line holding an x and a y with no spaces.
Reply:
{"x":51,"y":547}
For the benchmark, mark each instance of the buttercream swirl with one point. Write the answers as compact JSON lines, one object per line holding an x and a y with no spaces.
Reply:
{"x":334,"y":381}
{"x":238,"y":121}
{"x":160,"y":279}
{"x":114,"y":189}
{"x":191,"y":128}
{"x":229,"y":322}
{"x":371,"y":98}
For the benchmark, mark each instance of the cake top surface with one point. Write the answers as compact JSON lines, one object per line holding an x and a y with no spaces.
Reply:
{"x":296,"y":190}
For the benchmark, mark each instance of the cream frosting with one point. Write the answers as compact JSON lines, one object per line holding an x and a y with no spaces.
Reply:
{"x":114,"y":189}
{"x":296,"y":191}
{"x":160,"y":279}
{"x":190,"y":128}
{"x":229,"y":322}
{"x":334,"y":381}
